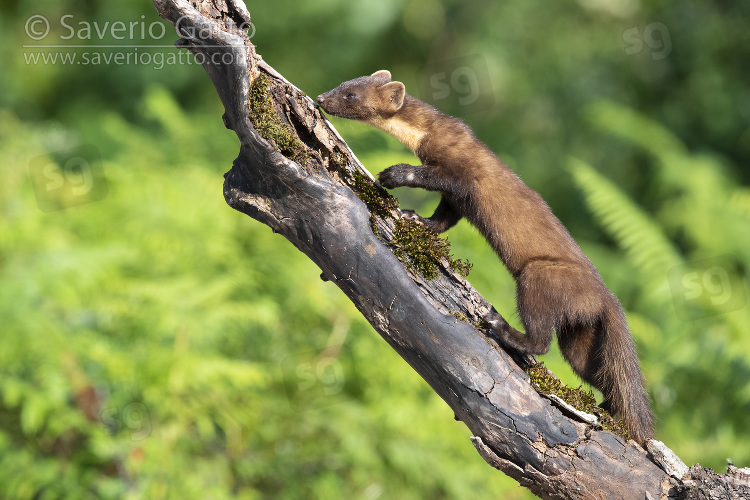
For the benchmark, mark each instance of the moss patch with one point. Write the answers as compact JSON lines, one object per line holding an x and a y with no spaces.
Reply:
{"x":376,"y":198}
{"x":546,"y":383}
{"x":338,"y":160}
{"x":460,"y":316}
{"x":270,"y":126}
{"x":421,"y":249}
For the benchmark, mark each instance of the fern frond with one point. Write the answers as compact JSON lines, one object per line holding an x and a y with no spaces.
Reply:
{"x":635,"y":128}
{"x":636,"y":232}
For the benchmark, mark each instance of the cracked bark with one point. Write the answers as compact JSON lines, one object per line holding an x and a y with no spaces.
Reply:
{"x":312,"y":204}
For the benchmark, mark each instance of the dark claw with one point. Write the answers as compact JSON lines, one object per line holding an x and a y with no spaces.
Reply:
{"x":411,"y":215}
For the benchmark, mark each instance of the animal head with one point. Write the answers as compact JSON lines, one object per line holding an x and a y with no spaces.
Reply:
{"x":366,"y":98}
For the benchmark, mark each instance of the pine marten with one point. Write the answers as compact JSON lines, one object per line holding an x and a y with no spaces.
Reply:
{"x":557,"y":286}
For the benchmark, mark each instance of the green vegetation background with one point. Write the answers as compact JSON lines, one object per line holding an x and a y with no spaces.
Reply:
{"x":156,"y":344}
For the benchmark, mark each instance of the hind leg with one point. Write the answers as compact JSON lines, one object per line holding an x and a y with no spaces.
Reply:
{"x":580,"y":345}
{"x":536,"y":340}
{"x":444,"y":218}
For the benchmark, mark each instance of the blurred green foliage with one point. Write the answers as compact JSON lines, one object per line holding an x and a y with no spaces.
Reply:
{"x":157,"y":344}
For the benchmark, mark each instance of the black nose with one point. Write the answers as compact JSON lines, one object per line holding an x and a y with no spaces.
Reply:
{"x":320,"y":99}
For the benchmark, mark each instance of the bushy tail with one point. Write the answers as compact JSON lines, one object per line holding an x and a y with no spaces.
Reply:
{"x":620,"y":377}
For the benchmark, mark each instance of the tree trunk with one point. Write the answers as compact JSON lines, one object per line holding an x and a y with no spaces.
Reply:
{"x":300,"y":178}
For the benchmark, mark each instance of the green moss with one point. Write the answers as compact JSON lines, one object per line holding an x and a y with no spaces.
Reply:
{"x":547,"y":383}
{"x":376,"y":198}
{"x":422,"y":249}
{"x":338,"y":160}
{"x":270,"y":126}
{"x":418,"y":247}
{"x":460,"y":316}
{"x":462,"y":267}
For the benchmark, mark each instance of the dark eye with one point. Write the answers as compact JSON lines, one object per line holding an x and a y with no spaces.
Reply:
{"x":350,"y":96}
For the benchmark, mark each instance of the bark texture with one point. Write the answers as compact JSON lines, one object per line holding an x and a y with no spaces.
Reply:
{"x":308,"y":192}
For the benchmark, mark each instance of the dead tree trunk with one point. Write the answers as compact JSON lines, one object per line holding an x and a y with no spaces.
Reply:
{"x":295,"y":174}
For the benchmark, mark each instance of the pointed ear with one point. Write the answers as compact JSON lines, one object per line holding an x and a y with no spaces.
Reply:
{"x":392,"y":95}
{"x":383,"y":73}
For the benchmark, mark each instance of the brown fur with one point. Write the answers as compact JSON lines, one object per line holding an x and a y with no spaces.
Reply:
{"x":557,"y":286}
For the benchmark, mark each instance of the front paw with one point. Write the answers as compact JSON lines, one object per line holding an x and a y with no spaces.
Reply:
{"x":396,"y":176}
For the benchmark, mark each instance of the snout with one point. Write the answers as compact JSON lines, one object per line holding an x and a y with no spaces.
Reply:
{"x":324,"y":102}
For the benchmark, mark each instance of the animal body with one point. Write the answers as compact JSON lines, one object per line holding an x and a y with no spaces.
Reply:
{"x":558,"y":288}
